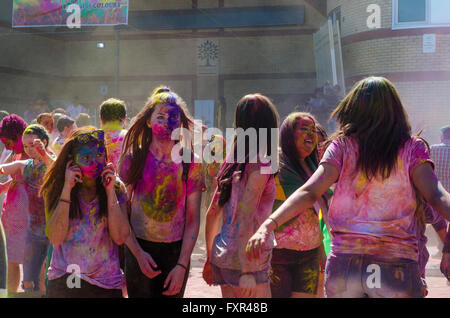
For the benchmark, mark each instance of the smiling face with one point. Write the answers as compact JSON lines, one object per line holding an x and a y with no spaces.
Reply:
{"x":29,"y":148}
{"x":91,"y":160}
{"x":164,"y":120}
{"x":306,"y":138}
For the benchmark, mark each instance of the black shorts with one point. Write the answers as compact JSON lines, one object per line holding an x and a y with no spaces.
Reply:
{"x":166,"y":257}
{"x":57,"y":288}
{"x":294,"y":271}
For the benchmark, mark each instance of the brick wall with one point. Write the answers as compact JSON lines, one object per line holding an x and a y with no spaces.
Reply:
{"x":423,"y":80}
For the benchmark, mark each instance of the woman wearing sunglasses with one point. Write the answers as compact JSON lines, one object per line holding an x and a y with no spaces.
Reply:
{"x":85,"y":206}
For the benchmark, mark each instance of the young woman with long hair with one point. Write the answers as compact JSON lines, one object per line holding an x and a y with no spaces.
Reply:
{"x":377,"y":165}
{"x":36,"y":143}
{"x":296,"y":258}
{"x":243,"y":199}
{"x":86,"y":220}
{"x":165,"y":197}
{"x":15,"y":206}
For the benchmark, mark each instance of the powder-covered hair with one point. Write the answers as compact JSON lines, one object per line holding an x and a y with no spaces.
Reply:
{"x":373,"y":113}
{"x":12,"y":127}
{"x":139,"y":136}
{"x":39,"y":131}
{"x":113,"y":109}
{"x":54,"y":178}
{"x":253,"y":111}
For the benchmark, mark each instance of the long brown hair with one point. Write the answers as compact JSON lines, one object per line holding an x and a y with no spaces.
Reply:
{"x":373,"y":113}
{"x":54,"y":178}
{"x":252,"y":111}
{"x":139,"y":137}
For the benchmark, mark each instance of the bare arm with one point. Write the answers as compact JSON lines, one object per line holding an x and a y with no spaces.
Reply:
{"x":5,"y":186}
{"x":15,"y":167}
{"x":301,"y":199}
{"x":212,"y":223}
{"x":57,"y":224}
{"x":191,"y":228}
{"x":245,"y":214}
{"x":174,"y":280}
{"x":57,"y":221}
{"x":118,"y":225}
{"x":431,"y":189}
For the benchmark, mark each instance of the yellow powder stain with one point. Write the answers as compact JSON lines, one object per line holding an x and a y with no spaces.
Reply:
{"x":279,"y":193}
{"x":311,"y":278}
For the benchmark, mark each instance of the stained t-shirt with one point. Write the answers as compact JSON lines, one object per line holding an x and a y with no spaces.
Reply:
{"x":225,"y":250}
{"x":89,"y":246}
{"x":34,"y":177}
{"x":114,"y":136}
{"x":374,"y":217}
{"x":302,"y":232}
{"x":159,"y":198}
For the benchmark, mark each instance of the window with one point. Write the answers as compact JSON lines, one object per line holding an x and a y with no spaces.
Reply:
{"x":420,"y":13}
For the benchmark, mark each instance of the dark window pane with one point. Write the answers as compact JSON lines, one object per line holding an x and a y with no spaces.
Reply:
{"x":411,"y":10}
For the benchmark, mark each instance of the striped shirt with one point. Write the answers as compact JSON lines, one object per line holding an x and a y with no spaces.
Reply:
{"x":440,"y":154}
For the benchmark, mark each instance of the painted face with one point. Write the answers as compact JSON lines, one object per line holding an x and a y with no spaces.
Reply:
{"x":9,"y":143}
{"x":15,"y":146}
{"x":91,"y":159}
{"x":164,"y":120}
{"x":48,"y":124}
{"x":306,"y":138}
{"x":28,"y":147}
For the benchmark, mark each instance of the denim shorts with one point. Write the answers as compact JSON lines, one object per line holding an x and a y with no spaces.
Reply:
{"x":35,"y":253}
{"x":362,"y":276}
{"x":230,"y":277}
{"x":294,"y":271}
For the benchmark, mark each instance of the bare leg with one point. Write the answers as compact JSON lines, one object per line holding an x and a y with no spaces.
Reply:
{"x":302,"y":295}
{"x":260,"y":291}
{"x":13,"y":277}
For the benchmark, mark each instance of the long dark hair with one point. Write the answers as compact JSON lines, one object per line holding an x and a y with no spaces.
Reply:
{"x":54,"y":178}
{"x":289,"y":150}
{"x":139,"y":137}
{"x":373,"y":113}
{"x":252,"y":111}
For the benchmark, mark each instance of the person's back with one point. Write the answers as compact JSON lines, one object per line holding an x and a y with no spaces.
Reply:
{"x":225,"y":251}
{"x":112,"y":116}
{"x":441,"y":156}
{"x":374,"y":217}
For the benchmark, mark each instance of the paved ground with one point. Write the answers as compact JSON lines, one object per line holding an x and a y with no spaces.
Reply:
{"x":197,"y":288}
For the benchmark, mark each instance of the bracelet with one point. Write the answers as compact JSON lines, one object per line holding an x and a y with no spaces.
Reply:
{"x":185,"y":268}
{"x":247,"y":273}
{"x":63,"y":200}
{"x":272,"y":219}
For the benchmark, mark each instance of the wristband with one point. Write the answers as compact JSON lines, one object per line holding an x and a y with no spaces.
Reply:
{"x":63,"y":200}
{"x":185,"y":268}
{"x":276,"y":223}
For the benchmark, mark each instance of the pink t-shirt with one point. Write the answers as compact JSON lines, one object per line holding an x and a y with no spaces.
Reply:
{"x":376,"y":217}
{"x":158,"y":211}
{"x":225,"y":250}
{"x":114,"y":136}
{"x":89,"y":246}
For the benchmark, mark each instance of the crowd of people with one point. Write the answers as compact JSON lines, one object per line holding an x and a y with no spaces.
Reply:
{"x":112,"y":204}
